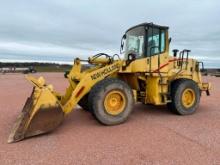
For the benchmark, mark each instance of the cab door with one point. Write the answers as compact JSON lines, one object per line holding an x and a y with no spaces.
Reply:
{"x":156,"y":49}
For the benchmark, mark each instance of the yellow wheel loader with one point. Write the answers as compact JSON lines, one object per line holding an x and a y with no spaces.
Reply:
{"x":111,"y":86}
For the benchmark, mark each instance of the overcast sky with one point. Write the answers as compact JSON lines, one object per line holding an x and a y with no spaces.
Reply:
{"x":59,"y":30}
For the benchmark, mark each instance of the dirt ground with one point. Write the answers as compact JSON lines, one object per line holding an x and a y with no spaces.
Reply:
{"x":152,"y":135}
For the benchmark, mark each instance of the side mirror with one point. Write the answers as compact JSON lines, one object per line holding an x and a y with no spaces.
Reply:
{"x":132,"y":56}
{"x":122,"y":43}
{"x":170,"y":39}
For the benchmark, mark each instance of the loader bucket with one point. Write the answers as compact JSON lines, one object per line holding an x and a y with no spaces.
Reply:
{"x":41,"y":114}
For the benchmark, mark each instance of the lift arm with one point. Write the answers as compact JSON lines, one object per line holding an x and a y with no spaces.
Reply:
{"x":82,"y":82}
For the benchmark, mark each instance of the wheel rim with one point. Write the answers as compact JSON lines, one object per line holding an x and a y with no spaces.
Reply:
{"x":188,"y":97}
{"x":114,"y":102}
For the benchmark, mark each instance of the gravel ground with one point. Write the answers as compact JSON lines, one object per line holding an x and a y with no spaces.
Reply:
{"x":152,"y":135}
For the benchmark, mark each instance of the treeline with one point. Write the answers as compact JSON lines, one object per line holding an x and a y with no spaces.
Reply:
{"x":33,"y":64}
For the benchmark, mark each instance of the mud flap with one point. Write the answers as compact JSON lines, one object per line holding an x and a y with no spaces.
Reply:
{"x":41,"y":114}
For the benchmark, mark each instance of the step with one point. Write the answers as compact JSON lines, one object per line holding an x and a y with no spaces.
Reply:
{"x":163,"y":83}
{"x":165,"y":93}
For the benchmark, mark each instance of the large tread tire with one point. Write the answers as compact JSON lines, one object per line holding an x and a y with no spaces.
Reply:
{"x":84,"y":103}
{"x":97,"y":96}
{"x":177,"y":89}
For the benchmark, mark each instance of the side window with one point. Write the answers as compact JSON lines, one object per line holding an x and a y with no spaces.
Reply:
{"x":163,"y":41}
{"x":155,"y":41}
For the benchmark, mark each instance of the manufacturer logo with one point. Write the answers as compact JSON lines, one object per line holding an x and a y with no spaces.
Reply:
{"x":105,"y":72}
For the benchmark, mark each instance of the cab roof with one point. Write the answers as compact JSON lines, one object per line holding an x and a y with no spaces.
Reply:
{"x":149,"y":25}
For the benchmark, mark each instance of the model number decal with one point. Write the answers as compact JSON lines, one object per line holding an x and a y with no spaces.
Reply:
{"x":104,"y":72}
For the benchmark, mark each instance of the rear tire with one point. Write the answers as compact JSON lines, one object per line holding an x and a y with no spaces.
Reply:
{"x":111,"y":100}
{"x":185,"y":96}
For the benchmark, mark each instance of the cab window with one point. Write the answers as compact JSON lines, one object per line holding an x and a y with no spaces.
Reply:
{"x":135,"y":41}
{"x":155,"y":41}
{"x":163,"y":41}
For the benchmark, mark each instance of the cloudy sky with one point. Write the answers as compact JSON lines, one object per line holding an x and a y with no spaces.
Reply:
{"x":59,"y":30}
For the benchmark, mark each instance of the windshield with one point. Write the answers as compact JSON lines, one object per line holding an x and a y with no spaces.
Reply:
{"x":135,"y":42}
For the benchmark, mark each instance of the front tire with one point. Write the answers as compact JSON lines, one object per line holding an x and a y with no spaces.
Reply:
{"x":112,"y":101}
{"x":84,"y":103}
{"x":185,"y":96}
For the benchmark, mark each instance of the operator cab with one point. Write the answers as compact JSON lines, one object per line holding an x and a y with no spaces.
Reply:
{"x":145,"y":40}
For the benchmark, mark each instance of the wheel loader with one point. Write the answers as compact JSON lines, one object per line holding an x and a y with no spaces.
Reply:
{"x":111,"y":86}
